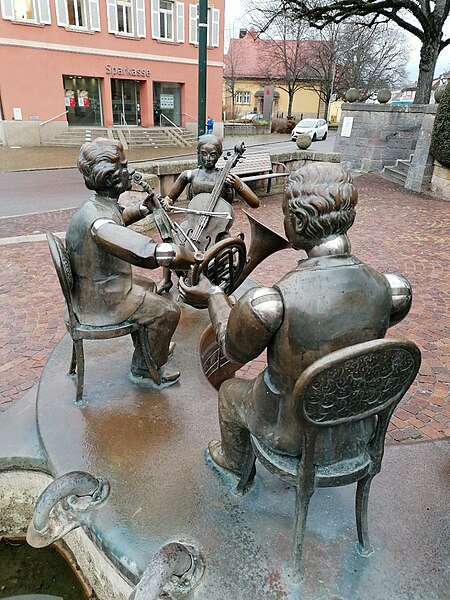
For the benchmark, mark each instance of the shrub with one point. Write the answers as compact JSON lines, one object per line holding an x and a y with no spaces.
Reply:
{"x":282,"y":125}
{"x":440,"y":138}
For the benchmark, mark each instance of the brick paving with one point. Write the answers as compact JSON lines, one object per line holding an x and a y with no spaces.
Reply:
{"x":394,"y":231}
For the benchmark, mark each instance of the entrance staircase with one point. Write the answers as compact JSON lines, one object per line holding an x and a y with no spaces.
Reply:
{"x":398,"y":172}
{"x":131,"y":137}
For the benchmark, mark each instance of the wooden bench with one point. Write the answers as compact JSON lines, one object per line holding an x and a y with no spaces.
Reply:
{"x":256,"y":167}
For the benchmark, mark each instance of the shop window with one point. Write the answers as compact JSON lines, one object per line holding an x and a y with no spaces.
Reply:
{"x":127,"y":17}
{"x":242,"y":98}
{"x":213,"y":25}
{"x":26,"y":11}
{"x":78,"y":14}
{"x":168,"y":20}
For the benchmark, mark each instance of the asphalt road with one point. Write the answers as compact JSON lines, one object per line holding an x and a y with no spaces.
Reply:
{"x":29,"y":192}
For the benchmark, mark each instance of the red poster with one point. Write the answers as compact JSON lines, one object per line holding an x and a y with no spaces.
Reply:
{"x":86,"y":101}
{"x":72,"y":101}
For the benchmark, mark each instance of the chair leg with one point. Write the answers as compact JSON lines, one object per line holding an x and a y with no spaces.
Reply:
{"x":151,"y":365}
{"x":247,"y":473}
{"x":304,"y":491}
{"x":361,"y":505}
{"x":79,"y":353}
{"x":73,"y":361}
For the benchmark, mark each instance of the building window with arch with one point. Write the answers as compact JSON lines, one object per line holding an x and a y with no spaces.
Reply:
{"x":168,"y":21}
{"x":27,"y":11}
{"x":127,"y":17}
{"x":242,"y":97}
{"x":213,"y":25}
{"x":78,"y":14}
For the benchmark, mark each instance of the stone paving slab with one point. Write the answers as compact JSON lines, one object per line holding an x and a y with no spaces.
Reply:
{"x":394,"y":231}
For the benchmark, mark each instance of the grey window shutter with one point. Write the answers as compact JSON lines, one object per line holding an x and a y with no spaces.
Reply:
{"x":180,"y":22}
{"x":215,"y":27}
{"x":8,"y":9}
{"x":193,"y":24}
{"x":94,"y":12}
{"x":62,"y":17}
{"x":155,"y":19}
{"x":140,"y":18}
{"x":44,"y":12}
{"x":113,"y":26}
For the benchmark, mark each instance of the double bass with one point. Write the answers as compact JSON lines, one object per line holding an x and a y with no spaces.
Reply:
{"x":204,"y":231}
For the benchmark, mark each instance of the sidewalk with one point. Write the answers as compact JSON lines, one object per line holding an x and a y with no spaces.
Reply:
{"x":394,"y":231}
{"x":56,"y":157}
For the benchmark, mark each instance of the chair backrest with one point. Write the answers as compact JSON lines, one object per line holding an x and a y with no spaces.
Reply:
{"x":356,"y":382}
{"x":61,"y":262}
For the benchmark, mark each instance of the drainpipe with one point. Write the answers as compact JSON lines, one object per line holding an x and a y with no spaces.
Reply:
{"x":63,"y":504}
{"x":176,"y":568}
{"x":202,"y":57}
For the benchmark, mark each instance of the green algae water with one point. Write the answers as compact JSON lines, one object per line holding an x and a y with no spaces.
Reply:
{"x":36,"y":574}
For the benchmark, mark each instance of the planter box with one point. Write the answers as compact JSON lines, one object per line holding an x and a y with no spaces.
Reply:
{"x":238,"y":129}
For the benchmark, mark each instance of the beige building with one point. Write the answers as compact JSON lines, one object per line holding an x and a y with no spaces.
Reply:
{"x":248,"y":73}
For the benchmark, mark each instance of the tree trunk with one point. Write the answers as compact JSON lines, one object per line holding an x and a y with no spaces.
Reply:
{"x":428,"y":58}
{"x":290,"y":103}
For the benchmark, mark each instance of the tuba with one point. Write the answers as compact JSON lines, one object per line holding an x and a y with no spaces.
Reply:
{"x":228,"y":263}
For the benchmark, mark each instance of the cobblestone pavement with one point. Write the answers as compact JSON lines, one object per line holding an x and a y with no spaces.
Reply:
{"x":394,"y":231}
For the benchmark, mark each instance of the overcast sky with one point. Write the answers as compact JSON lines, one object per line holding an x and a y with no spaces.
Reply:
{"x":235,"y":19}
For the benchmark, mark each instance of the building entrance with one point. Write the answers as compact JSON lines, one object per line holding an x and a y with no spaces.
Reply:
{"x":167,"y":104}
{"x":82,"y":100}
{"x":125,"y":102}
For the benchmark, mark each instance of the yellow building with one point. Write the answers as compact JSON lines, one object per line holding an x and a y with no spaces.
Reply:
{"x":248,"y":73}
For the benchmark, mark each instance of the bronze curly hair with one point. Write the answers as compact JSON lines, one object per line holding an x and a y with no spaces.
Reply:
{"x":99,"y":163}
{"x":322,"y":198}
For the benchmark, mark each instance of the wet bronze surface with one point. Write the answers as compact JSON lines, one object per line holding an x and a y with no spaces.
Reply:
{"x":150,"y":445}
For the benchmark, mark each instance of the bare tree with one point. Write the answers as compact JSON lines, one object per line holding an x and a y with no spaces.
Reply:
{"x":287,"y":55}
{"x":424,"y":19}
{"x":231,"y":72}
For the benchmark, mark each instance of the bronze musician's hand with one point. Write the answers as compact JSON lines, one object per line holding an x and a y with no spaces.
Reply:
{"x":233,"y":181}
{"x":183,"y":259}
{"x":167,"y":203}
{"x":196,"y":295}
{"x":149,"y":202}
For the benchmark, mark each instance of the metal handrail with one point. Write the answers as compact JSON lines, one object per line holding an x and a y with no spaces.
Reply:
{"x":191,"y":116}
{"x":124,"y":122}
{"x":53,"y":118}
{"x":171,"y":122}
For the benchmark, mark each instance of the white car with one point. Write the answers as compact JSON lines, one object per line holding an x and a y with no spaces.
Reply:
{"x":316,"y":128}
{"x":252,"y":117}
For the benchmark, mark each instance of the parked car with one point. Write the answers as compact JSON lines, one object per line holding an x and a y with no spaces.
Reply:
{"x":252,"y":117}
{"x":316,"y":128}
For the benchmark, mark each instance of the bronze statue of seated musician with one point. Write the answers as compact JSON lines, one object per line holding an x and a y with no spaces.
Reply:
{"x":209,"y":189}
{"x":102,"y":249}
{"x":331,"y":300}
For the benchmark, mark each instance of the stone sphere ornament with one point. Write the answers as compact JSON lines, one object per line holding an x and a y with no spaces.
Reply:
{"x":303,"y":141}
{"x":352,"y":95}
{"x":384,"y":96}
{"x":439,"y":93}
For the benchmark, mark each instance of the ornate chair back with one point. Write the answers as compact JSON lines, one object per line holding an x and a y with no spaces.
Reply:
{"x":358,"y":386}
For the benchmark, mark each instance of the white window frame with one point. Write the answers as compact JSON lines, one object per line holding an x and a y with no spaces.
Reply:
{"x":167,"y":16}
{"x":127,"y":16}
{"x":176,"y":13}
{"x":137,"y":22}
{"x":90,"y":9}
{"x":242,"y":97}
{"x":213,"y":35}
{"x":41,"y":12}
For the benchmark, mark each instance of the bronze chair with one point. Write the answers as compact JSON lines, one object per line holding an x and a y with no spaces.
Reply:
{"x":358,"y":385}
{"x":80,"y":331}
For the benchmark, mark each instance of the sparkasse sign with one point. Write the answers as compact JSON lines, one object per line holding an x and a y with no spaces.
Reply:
{"x":125,"y":70}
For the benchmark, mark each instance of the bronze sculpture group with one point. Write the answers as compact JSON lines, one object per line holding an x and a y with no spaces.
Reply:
{"x":329,"y":302}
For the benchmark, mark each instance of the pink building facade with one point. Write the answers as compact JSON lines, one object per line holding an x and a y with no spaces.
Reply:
{"x":103,"y":63}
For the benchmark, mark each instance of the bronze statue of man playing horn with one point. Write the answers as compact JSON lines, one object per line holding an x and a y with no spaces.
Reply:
{"x":329,"y":301}
{"x":102,"y":250}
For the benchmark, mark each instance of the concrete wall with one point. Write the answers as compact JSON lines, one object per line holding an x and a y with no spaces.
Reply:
{"x":161,"y":175}
{"x":380,"y":134}
{"x":241,"y":129}
{"x":440,"y":182}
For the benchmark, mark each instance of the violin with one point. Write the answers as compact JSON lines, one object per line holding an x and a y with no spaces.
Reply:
{"x":204,"y":231}
{"x":162,"y":221}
